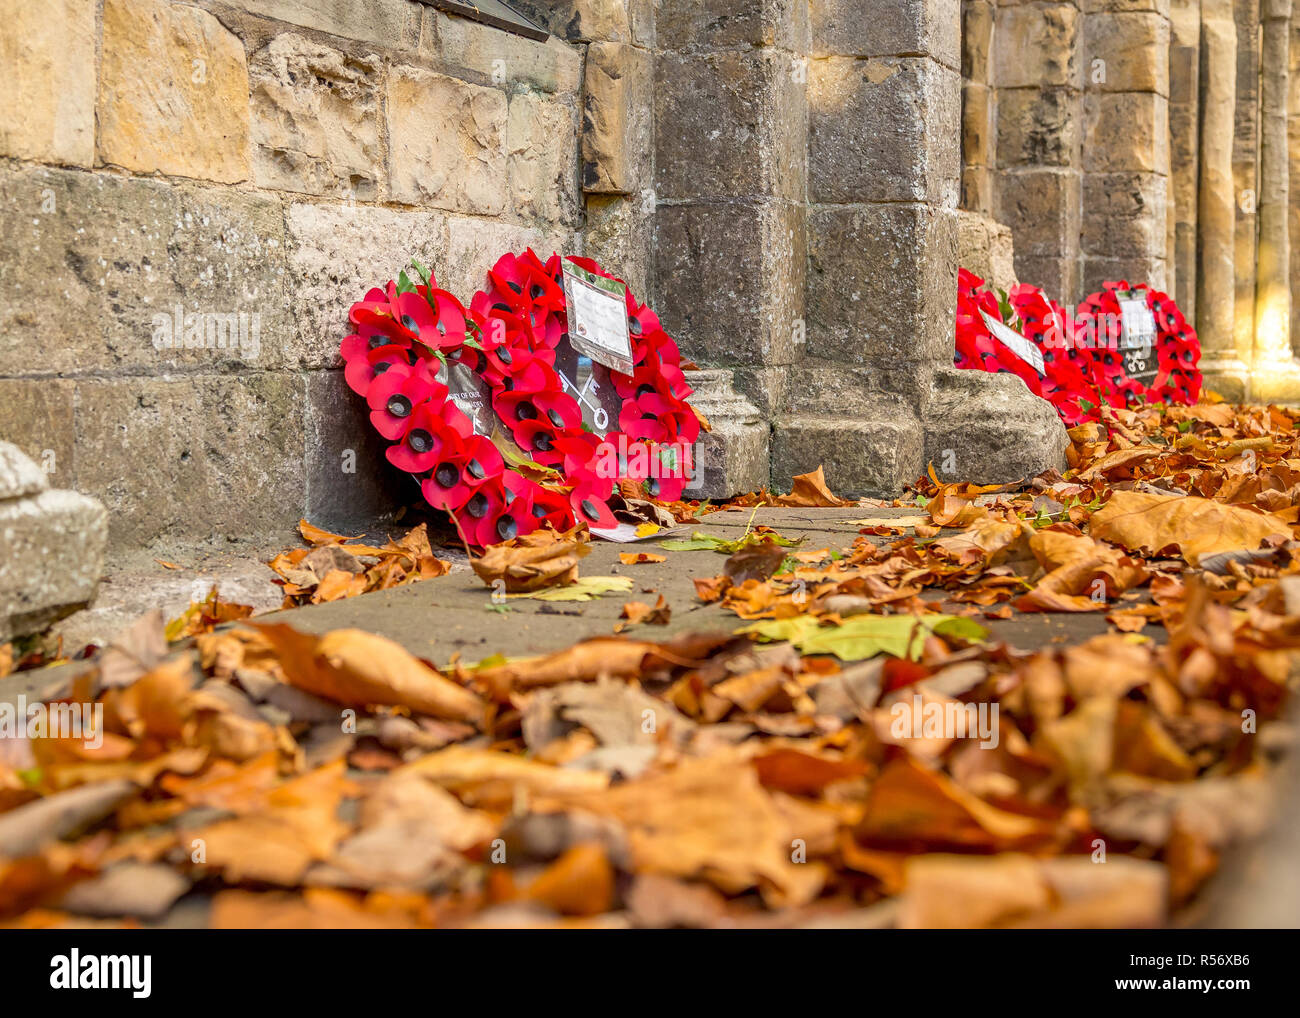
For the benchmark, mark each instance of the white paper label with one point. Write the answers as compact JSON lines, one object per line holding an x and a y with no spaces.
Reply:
{"x":598,"y":318}
{"x":1015,"y":342}
{"x":1139,"y":336}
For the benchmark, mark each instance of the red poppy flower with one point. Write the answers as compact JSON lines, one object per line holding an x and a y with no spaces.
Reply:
{"x":550,"y":508}
{"x":395,"y":394}
{"x":362,"y":365}
{"x":429,"y":439}
{"x":589,"y":506}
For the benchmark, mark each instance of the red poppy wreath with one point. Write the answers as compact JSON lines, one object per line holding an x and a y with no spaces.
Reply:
{"x":1143,"y":349}
{"x":1028,"y":334}
{"x":502,"y":418}
{"x":1126,"y":345}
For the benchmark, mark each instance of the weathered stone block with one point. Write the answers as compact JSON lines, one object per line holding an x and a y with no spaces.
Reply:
{"x":47,"y":107}
{"x":733,"y":456}
{"x":883,"y":130}
{"x":1042,"y":209}
{"x":721,"y":23}
{"x":730,"y":280}
{"x":618,"y":119}
{"x":338,"y":252}
{"x":977,"y":188}
{"x":37,"y":417}
{"x":315,"y":119}
{"x":192,"y":458}
{"x":881,"y":280}
{"x":729,"y":124}
{"x":474,"y":245}
{"x":1056,"y":274}
{"x":349,"y":479}
{"x":990,"y":427}
{"x":392,"y":23}
{"x":51,"y":547}
{"x":1153,"y":6}
{"x":977,"y":125}
{"x":19,"y":476}
{"x":1038,"y":127}
{"x":764,"y":387}
{"x":505,"y":58}
{"x":1134,"y":47}
{"x":446,"y":142}
{"x":1124,"y":215}
{"x":108,"y":260}
{"x":542,"y":142}
{"x":977,"y":40}
{"x":1037,"y":46}
{"x":1126,"y":131}
{"x":619,"y":234}
{"x":173,"y":92}
{"x":873,"y":455}
{"x":855,"y":28}
{"x":984,"y":247}
{"x":583,"y":20}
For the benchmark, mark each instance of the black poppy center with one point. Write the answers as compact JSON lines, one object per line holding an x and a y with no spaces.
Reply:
{"x":419,"y":440}
{"x":504,"y":355}
{"x":446,"y":475}
{"x":525,"y":411}
{"x":382,"y":366}
{"x":555,"y":417}
{"x":477,"y":506}
{"x":377,"y":340}
{"x":589,"y":509}
{"x":542,"y":442}
{"x":399,"y":405}
{"x":507,"y":528}
{"x":475,"y":469}
{"x":411,"y":324}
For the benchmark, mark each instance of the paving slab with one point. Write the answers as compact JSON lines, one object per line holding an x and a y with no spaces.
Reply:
{"x":455,"y":614}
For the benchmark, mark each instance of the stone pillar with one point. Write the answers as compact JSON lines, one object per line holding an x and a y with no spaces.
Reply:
{"x":1217,"y":210}
{"x":1184,"y":146}
{"x":978,"y":107}
{"x":831,"y":294}
{"x":1275,"y":372}
{"x":1293,"y":200}
{"x":1038,"y":72}
{"x":730,"y":129}
{"x":1245,"y":172}
{"x":1126,"y":142}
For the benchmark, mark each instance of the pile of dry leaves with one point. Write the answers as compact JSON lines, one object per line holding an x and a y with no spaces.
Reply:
{"x":854,"y":750}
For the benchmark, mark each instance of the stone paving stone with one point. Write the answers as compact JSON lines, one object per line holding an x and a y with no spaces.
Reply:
{"x":453,"y":614}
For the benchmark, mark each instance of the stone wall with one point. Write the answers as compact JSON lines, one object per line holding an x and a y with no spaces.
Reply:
{"x":258,"y":163}
{"x":807,"y":161}
{"x":194,"y":192}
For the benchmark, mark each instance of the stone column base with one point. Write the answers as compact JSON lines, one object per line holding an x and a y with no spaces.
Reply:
{"x":1229,"y":377}
{"x":972,"y":425}
{"x":1274,"y":382}
{"x":989,"y":428}
{"x":863,"y":454}
{"x":51,"y":547}
{"x":732,"y":458}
